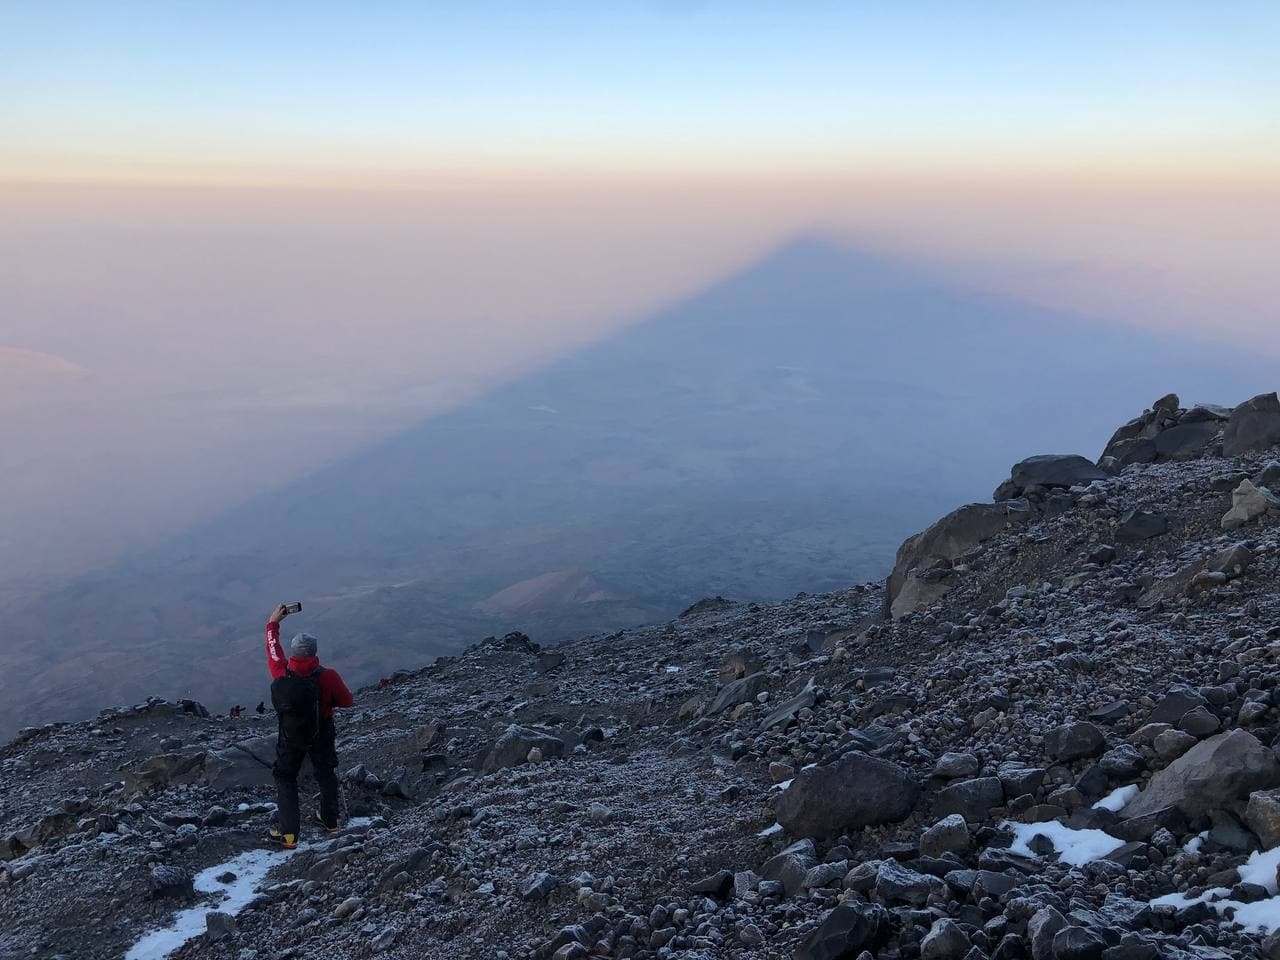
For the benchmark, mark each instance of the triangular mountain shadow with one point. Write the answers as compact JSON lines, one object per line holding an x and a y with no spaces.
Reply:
{"x":783,"y":430}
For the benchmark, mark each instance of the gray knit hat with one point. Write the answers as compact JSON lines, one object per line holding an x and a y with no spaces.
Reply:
{"x":303,"y":645}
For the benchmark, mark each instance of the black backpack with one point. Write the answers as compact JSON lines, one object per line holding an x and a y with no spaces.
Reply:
{"x":297,"y":702}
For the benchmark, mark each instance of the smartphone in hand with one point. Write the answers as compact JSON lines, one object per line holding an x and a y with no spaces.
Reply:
{"x":293,"y":608}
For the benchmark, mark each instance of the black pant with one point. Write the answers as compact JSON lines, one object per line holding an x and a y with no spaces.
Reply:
{"x":324,"y":762}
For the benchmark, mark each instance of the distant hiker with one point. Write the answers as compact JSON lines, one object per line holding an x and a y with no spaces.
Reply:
{"x":304,"y":695}
{"x":262,"y":707}
{"x":236,"y":711}
{"x":383,"y":683}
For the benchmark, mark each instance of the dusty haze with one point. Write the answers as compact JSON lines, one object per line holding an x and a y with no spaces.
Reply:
{"x":167,"y":351}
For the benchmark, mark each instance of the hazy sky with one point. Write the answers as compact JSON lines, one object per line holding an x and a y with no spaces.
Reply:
{"x":239,"y":239}
{"x":245,"y":89}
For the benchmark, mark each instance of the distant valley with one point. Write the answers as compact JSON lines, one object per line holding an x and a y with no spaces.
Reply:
{"x":784,"y":430}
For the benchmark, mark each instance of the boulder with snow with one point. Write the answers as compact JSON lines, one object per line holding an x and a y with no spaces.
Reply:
{"x":1215,"y":771}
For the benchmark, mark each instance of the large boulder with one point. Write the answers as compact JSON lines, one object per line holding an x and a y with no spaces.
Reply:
{"x":1263,"y":816}
{"x":1248,"y":503}
{"x":1186,"y":441}
{"x":244,"y":764}
{"x":971,"y":799}
{"x":1254,"y":425}
{"x":1141,"y":525}
{"x":512,"y":748}
{"x":1075,"y":741}
{"x":1049,"y":470}
{"x":922,"y":570}
{"x":848,"y":930}
{"x":1212,"y":773}
{"x":854,"y":791}
{"x":739,"y":691}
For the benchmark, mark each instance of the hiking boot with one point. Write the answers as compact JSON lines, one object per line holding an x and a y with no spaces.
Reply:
{"x":286,"y":840}
{"x":327,"y":829}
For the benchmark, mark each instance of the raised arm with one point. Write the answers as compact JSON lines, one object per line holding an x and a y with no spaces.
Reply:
{"x":276,"y":661}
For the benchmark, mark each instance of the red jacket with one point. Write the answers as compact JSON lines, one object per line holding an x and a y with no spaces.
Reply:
{"x":333,"y":692}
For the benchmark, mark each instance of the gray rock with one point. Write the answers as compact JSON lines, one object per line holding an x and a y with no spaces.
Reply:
{"x":1199,"y":722}
{"x":1123,"y":762}
{"x":1248,"y":503}
{"x":956,"y":766}
{"x":1254,"y":425}
{"x":848,"y":930}
{"x":512,"y":748}
{"x":971,"y":799}
{"x":787,"y":711}
{"x":219,"y":926}
{"x":944,"y":941}
{"x":790,"y":866}
{"x":1049,"y":471}
{"x":856,"y":790}
{"x":347,"y":907}
{"x":1077,"y":943}
{"x":1215,"y":771}
{"x":739,"y":691}
{"x":1263,"y":816}
{"x":1141,"y":525}
{"x":950,"y":834}
{"x":908,"y":588}
{"x":247,"y":763}
{"x":898,"y":884}
{"x":1232,"y":561}
{"x":1174,"y":704}
{"x":1186,"y":441}
{"x":1043,"y":926}
{"x":539,"y":886}
{"x":1173,"y":743}
{"x":1075,"y":741}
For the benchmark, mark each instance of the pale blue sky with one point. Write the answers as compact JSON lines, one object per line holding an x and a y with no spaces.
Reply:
{"x":635,"y":85}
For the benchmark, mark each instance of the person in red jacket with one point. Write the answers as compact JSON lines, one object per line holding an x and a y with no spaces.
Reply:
{"x":322,"y":749}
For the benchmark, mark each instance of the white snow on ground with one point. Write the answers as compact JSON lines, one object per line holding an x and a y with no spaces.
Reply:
{"x":250,"y":869}
{"x":1195,"y":843}
{"x":1260,"y":868}
{"x":770,"y":831}
{"x":1117,"y":799}
{"x":1260,"y":917}
{"x":1076,"y":847}
{"x":783,"y":785}
{"x":673,"y":669}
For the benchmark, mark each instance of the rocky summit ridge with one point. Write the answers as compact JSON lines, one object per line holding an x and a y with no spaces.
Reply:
{"x":1050,"y":735}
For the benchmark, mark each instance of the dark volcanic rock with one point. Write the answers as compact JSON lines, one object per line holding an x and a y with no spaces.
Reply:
{"x":1047,"y":471}
{"x":857,"y":790}
{"x":847,"y":931}
{"x":1254,"y":425}
{"x":1075,"y":741}
{"x":512,"y":748}
{"x":1141,"y":525}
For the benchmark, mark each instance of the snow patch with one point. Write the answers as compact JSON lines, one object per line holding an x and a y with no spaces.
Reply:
{"x":770,"y":831}
{"x":1117,"y":799}
{"x":250,"y":869}
{"x":671,"y":669}
{"x":1260,"y":868}
{"x":1262,"y":916}
{"x":1195,"y":843}
{"x":783,"y":785}
{"x":1076,"y":847}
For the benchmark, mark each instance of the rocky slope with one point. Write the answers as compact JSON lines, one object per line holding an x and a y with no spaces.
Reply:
{"x":1050,"y":735}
